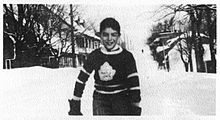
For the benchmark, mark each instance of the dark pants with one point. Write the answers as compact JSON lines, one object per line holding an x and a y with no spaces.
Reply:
{"x":117,"y":104}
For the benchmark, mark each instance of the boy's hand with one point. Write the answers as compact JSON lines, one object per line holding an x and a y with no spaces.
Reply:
{"x":75,"y":106}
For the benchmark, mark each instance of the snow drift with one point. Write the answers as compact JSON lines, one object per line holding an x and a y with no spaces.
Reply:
{"x":37,"y":92}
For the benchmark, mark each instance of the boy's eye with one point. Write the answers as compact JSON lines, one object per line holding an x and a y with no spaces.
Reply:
{"x":115,"y":34}
{"x":112,"y":34}
{"x":104,"y":34}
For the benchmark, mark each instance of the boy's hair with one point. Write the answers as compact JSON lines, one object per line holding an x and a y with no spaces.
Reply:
{"x":110,"y":23}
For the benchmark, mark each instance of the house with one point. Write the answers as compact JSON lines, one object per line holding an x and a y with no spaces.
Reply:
{"x":161,"y":46}
{"x":85,"y":42}
{"x":167,"y":44}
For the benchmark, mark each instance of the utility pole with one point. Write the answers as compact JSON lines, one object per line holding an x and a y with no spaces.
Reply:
{"x":72,"y":37}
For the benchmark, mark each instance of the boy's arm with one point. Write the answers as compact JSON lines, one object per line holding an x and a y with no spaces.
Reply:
{"x":133,"y":80}
{"x":80,"y":83}
{"x":133,"y":85}
{"x":83,"y":77}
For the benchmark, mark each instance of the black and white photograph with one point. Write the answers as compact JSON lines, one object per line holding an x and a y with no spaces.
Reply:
{"x":119,"y":60}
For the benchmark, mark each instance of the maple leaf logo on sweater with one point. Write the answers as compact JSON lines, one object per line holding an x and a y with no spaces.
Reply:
{"x":106,"y":72}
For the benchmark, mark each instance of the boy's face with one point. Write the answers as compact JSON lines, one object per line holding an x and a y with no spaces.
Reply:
{"x":109,"y":38}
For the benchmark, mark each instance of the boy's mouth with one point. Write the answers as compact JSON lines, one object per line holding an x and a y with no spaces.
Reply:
{"x":110,"y":43}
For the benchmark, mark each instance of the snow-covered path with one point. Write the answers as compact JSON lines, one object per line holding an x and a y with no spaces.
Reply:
{"x":175,"y":93}
{"x":38,"y":93}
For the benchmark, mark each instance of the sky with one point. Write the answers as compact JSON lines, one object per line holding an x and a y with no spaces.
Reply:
{"x":135,"y":20}
{"x":134,"y":17}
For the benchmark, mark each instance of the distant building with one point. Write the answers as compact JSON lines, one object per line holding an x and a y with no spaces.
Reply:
{"x":161,"y":46}
{"x":85,"y":42}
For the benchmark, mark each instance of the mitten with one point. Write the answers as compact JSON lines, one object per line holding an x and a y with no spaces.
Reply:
{"x":75,"y":106}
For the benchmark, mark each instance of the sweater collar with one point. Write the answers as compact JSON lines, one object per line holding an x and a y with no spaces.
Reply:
{"x":116,"y":50}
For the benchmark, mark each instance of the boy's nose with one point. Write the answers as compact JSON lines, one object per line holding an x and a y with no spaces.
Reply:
{"x":109,"y":38}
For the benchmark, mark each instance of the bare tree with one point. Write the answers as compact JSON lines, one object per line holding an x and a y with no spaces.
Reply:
{"x":200,"y":19}
{"x":32,"y":26}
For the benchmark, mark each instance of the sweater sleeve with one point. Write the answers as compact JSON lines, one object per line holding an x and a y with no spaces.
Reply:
{"x":83,"y":77}
{"x":132,"y":79}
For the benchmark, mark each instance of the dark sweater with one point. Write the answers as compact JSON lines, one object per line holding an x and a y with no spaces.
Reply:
{"x":115,"y":72}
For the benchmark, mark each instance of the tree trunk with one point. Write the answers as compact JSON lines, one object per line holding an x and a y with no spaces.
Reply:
{"x":197,"y":43}
{"x":190,"y":60}
{"x":72,"y":36}
{"x":193,"y":37}
{"x":181,"y":56}
{"x":189,"y":46}
{"x":212,"y":66}
{"x":199,"y":50}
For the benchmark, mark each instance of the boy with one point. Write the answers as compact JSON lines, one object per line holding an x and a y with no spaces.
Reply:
{"x":117,"y":90}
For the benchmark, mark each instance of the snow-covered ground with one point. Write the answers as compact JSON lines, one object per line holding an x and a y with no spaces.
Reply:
{"x":43,"y":93}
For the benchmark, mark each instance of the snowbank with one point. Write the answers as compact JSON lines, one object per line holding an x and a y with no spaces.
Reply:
{"x":39,"y":93}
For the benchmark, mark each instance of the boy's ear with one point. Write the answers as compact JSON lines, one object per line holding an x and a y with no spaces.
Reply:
{"x":98,"y":34}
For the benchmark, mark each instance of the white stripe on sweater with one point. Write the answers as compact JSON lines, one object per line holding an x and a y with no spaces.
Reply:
{"x":135,"y":88}
{"x":79,"y":81}
{"x":83,"y":70}
{"x":107,"y":85}
{"x":132,"y":75}
{"x":76,"y":98}
{"x":113,"y":92}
